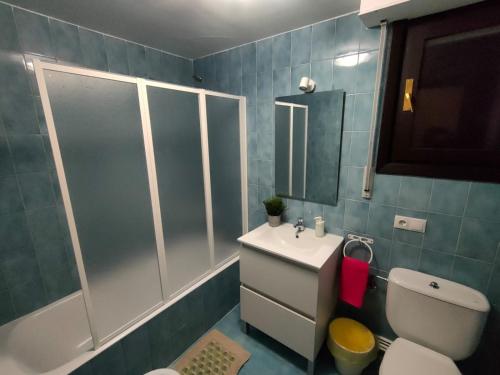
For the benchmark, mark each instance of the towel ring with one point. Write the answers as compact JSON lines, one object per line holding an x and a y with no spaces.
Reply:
{"x":361,"y":240}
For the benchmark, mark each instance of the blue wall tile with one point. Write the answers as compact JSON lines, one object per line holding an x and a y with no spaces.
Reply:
{"x":348,"y":124}
{"x":33,"y":32}
{"x":484,"y":201}
{"x":334,"y":216}
{"x":323,"y":40}
{"x":494,"y":290}
{"x":473,"y":273}
{"x":436,"y":263}
{"x":404,"y":255}
{"x":312,"y":210}
{"x":322,"y":74}
{"x":369,"y":38}
{"x":66,"y":41}
{"x":479,"y":239}
{"x":281,"y":50}
{"x":28,"y":153}
{"x":345,"y":73}
{"x":354,"y":183}
{"x":380,"y":221}
{"x":93,"y":50}
{"x":109,"y":362}
{"x":136,"y":351}
{"x":359,"y":149}
{"x":37,"y":260}
{"x":136,"y":57}
{"x":19,"y":266}
{"x":281,"y":82}
{"x":16,"y":103}
{"x":449,"y":197}
{"x":6,"y":163}
{"x":362,"y":112}
{"x":294,"y":210}
{"x":386,"y":189}
{"x":7,"y":312}
{"x":367,"y":67}
{"x":414,"y":193}
{"x":352,"y":49}
{"x":116,"y":52}
{"x":14,"y":231}
{"x":10,"y":198}
{"x":36,"y":189}
{"x":381,"y":253}
{"x":347,"y":35}
{"x":441,"y":232}
{"x":9,"y":40}
{"x":28,"y":297}
{"x":356,"y":216}
{"x":301,"y":46}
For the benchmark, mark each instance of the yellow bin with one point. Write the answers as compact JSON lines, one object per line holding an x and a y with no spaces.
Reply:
{"x":352,"y":345}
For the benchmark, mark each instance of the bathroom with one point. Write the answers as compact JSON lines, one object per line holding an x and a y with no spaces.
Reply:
{"x":122,"y":251}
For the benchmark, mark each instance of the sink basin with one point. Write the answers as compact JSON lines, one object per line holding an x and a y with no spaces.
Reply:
{"x":308,"y":249}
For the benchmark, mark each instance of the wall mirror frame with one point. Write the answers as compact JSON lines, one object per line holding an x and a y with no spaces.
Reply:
{"x":307,"y":146}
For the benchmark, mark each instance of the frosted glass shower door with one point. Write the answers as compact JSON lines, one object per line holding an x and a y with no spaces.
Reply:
{"x":223,"y":124}
{"x":100,"y":138}
{"x":175,"y":127}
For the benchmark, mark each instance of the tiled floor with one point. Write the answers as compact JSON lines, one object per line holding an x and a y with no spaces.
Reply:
{"x":269,"y":357}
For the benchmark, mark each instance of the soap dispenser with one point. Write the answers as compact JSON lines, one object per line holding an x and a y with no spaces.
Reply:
{"x":319,"y":227}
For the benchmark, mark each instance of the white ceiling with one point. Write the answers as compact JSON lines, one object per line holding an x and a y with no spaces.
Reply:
{"x":191,"y":28}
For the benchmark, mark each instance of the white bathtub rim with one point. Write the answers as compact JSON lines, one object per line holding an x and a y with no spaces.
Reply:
{"x":87,"y":356}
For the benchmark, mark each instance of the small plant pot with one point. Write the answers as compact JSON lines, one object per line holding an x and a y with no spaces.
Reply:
{"x":274,"y":221}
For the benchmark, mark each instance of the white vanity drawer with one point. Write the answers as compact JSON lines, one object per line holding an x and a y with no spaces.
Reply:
{"x":288,"y":327}
{"x":291,"y":284}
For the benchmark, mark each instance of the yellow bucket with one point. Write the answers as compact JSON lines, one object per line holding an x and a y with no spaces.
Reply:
{"x":351,"y":344}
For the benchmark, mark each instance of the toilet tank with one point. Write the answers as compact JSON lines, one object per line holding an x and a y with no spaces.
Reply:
{"x":439,"y":314}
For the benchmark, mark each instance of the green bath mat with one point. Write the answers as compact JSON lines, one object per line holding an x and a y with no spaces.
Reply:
{"x":213,"y":354}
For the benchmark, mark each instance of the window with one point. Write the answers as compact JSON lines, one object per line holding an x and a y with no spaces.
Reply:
{"x":441,"y":110}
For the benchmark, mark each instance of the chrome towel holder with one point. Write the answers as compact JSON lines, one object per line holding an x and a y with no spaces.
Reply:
{"x":365,"y":241}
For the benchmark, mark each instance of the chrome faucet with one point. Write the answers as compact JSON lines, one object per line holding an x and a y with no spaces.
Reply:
{"x":300,"y":227}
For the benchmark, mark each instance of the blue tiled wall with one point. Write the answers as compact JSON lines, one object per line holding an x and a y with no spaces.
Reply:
{"x":161,"y":340}
{"x":36,"y":258}
{"x":463,"y":219}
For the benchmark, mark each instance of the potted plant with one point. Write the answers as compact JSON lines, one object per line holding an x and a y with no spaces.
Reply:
{"x":274,"y":208}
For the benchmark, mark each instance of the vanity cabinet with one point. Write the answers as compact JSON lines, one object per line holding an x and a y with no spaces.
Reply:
{"x":291,"y":300}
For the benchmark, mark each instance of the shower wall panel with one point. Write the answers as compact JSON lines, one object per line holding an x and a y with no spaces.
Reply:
{"x":175,"y":126}
{"x":98,"y":126}
{"x":223,"y":121}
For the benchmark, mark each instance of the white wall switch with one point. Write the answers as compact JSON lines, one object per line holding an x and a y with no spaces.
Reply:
{"x":410,"y":223}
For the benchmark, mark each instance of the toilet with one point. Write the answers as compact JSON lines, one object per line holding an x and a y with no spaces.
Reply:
{"x":438,"y":322}
{"x":162,"y":371}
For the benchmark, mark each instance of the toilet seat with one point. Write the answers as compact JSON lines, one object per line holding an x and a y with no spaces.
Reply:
{"x":406,"y":357}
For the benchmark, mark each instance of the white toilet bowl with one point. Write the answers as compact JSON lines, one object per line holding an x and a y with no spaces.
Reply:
{"x":162,"y":371}
{"x":406,"y":357}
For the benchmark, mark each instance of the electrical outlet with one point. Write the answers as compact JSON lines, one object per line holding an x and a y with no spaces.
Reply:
{"x":410,"y":223}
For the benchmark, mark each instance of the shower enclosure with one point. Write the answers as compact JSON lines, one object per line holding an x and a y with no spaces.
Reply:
{"x":153,"y":180}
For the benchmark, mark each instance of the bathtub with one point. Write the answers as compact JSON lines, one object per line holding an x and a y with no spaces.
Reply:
{"x":47,"y":341}
{"x":56,"y":339}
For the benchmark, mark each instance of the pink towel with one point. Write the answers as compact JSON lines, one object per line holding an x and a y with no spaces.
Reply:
{"x":353,"y":281}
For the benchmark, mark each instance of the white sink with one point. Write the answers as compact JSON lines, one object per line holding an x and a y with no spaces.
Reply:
{"x":307,"y":249}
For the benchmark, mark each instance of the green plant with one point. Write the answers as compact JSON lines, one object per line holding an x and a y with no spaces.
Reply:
{"x":274,"y":206}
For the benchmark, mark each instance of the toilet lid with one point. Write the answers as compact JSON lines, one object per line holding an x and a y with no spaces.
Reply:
{"x":406,"y":357}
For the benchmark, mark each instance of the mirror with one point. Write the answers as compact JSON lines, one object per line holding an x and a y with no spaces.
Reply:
{"x":308,"y":132}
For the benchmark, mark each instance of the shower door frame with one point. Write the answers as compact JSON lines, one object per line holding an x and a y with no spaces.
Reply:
{"x":142,"y":84}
